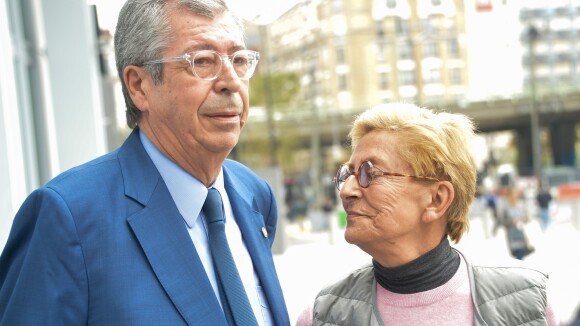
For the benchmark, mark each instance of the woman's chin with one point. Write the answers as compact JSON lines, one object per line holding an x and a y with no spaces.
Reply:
{"x":351,"y":235}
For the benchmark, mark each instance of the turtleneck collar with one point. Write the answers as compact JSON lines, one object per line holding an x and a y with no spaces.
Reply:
{"x":424,"y":273}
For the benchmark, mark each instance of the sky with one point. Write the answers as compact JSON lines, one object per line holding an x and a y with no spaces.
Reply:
{"x":268,"y":9}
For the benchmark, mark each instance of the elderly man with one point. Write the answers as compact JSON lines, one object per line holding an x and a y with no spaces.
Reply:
{"x":130,"y":238}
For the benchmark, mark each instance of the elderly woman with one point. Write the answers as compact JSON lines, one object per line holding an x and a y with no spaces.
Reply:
{"x":406,"y":190}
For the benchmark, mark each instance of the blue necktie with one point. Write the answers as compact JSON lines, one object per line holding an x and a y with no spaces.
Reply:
{"x":234,"y":299}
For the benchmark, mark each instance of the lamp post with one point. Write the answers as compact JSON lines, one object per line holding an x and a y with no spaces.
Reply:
{"x":265,"y":62}
{"x":534,"y":118}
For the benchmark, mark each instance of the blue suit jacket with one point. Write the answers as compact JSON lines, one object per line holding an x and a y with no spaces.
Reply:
{"x":104,"y":244}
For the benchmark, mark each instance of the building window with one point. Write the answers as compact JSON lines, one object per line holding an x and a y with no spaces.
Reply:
{"x":432,"y":75}
{"x":380,"y":29}
{"x":312,"y":89}
{"x":340,"y":55}
{"x":342,"y":83}
{"x":384,"y":80}
{"x":391,"y":4}
{"x":430,"y":50}
{"x":455,"y":77}
{"x":405,"y":50}
{"x":453,"y":48}
{"x":402,"y":26}
{"x":428,"y":26}
{"x":382,"y":54}
{"x":407,"y":77}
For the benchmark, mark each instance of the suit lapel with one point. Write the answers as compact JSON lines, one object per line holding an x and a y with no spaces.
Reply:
{"x":164,"y":239}
{"x":251,"y":222}
{"x":172,"y":255}
{"x":167,"y":245}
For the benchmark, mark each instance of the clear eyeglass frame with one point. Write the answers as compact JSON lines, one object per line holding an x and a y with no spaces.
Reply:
{"x":366,"y":174}
{"x":207,"y":64}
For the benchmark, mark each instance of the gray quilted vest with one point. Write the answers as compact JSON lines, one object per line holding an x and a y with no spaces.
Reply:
{"x":501,"y":296}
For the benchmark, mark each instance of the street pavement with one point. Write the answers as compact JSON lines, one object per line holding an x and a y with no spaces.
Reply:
{"x":313,"y":259}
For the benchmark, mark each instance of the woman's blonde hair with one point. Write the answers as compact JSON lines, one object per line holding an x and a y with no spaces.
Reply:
{"x":434,"y":144}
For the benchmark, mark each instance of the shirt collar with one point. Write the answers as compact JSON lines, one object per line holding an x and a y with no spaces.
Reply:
{"x":187,"y":192}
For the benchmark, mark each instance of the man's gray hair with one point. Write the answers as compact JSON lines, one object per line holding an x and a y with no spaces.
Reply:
{"x":143,"y":34}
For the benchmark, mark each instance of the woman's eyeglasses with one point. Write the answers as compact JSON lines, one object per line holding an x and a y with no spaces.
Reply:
{"x":366,"y":173}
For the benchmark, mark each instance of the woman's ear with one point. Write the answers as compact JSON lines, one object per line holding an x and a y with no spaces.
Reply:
{"x":138,"y":84}
{"x":442,"y":194}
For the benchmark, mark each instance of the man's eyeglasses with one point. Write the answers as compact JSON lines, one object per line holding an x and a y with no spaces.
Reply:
{"x":207,"y":64}
{"x":366,"y":173}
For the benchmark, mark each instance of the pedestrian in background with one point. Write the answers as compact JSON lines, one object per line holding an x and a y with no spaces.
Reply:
{"x":491,"y":200}
{"x":515,"y":218}
{"x":129,"y":238}
{"x":543,"y":199}
{"x":407,"y":189}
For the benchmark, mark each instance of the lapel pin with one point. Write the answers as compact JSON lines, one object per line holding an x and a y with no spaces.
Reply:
{"x":264,"y":232}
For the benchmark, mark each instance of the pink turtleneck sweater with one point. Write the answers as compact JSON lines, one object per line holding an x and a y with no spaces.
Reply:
{"x":449,"y":304}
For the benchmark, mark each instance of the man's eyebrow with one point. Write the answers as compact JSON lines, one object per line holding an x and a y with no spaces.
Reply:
{"x":236,"y":48}
{"x":199,"y":46}
{"x":207,"y":46}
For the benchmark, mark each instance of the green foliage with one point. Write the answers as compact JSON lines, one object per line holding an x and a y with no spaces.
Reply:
{"x":283,"y":88}
{"x":255,"y":148}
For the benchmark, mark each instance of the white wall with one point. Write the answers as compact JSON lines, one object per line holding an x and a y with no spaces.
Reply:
{"x":51,"y":115}
{"x":12,"y":166}
{"x":74,"y":81}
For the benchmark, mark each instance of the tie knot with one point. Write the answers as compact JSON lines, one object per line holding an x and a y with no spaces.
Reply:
{"x":212,"y":207}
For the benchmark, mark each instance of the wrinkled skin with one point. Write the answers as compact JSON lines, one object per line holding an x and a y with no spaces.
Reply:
{"x":392,"y":219}
{"x":187,"y":118}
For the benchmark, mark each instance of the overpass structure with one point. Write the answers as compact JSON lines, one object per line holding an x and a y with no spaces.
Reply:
{"x":506,"y":114}
{"x":558,"y":114}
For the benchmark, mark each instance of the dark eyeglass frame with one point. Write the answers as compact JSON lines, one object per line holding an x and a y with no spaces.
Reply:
{"x":366,"y":174}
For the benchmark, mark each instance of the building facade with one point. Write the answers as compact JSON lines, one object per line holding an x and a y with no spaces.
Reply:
{"x":553,"y":29}
{"x":354,"y":54}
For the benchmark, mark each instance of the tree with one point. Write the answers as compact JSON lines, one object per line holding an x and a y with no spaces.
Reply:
{"x":284,"y":88}
{"x":256,"y":144}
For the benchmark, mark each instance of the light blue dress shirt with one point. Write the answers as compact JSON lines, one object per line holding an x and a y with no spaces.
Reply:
{"x":189,"y":195}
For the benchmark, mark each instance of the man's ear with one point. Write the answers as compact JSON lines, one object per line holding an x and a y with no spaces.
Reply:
{"x":442,"y":194}
{"x":138,"y":83}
